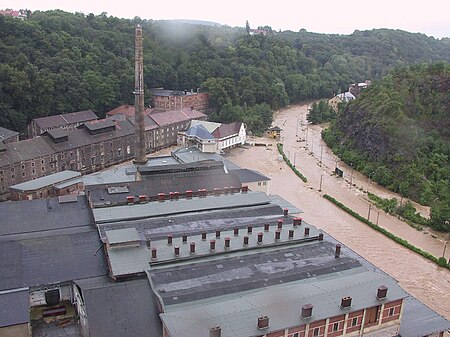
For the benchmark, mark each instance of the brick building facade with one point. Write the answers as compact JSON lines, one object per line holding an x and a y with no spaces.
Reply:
{"x":173,"y":99}
{"x":89,"y":148}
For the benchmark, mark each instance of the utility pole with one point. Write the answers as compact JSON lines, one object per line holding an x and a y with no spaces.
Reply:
{"x":296,"y":128}
{"x":368,"y":215}
{"x":321,"y":152}
{"x":351,"y":175}
{"x":378,"y":215}
{"x":320,"y":186}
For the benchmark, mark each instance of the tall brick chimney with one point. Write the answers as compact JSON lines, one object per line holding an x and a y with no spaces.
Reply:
{"x":139,"y":148}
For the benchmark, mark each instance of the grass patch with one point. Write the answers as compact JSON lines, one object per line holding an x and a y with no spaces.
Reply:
{"x":288,"y":162}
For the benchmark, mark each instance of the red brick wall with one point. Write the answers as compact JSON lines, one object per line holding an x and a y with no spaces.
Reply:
{"x":317,"y":324}
{"x":276,"y":334}
{"x":359,"y":316}
{"x":339,"y":320}
{"x":301,"y":331}
{"x":396,"y":306}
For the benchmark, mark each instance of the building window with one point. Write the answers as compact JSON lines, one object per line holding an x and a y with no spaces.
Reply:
{"x":316,"y":332}
{"x":92,"y":160}
{"x":128,"y":149}
{"x":32,"y":164}
{"x":12,"y":169}
{"x":354,"y":321}
{"x":42,"y":161}
{"x":335,"y":326}
{"x":43,"y":169}
{"x":259,"y":183}
{"x":264,"y":183}
{"x":296,"y":334}
{"x":51,"y":166}
{"x":23,"y":167}
{"x":391,"y":311}
{"x":33,"y":171}
{"x":62,"y":155}
{"x":71,"y":154}
{"x":12,"y":177}
{"x":23,"y":174}
{"x":119,"y":152}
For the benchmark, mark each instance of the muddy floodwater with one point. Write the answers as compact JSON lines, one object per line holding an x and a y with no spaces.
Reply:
{"x":302,"y":143}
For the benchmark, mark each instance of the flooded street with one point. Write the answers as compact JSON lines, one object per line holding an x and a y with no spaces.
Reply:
{"x":420,"y":277}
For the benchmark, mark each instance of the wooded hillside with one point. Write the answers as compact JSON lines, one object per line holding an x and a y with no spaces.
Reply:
{"x":398,"y":133}
{"x":58,"y":62}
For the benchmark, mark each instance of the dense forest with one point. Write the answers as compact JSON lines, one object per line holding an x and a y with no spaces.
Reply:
{"x":398,"y":133}
{"x":58,"y":62}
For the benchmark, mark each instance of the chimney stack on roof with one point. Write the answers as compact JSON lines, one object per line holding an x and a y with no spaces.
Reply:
{"x":307,"y":310}
{"x":215,"y":331}
{"x":139,"y":151}
{"x":382,"y":292}
{"x":263,"y":322}
{"x":346,"y":302}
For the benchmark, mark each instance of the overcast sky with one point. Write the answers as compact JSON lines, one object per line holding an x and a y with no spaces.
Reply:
{"x":322,"y":16}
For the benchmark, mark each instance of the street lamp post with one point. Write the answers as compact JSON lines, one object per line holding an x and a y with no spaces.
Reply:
{"x":368,"y":180}
{"x":351,"y":175}
{"x":321,"y":152}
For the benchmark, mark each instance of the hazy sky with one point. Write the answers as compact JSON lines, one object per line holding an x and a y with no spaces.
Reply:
{"x":322,"y":16}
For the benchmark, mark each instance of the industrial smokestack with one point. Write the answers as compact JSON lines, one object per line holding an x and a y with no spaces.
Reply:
{"x":139,"y":151}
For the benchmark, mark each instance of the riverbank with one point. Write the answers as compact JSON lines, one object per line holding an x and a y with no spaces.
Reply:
{"x":303,"y":146}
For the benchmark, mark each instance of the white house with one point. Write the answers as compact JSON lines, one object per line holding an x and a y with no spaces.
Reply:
{"x":213,"y":137}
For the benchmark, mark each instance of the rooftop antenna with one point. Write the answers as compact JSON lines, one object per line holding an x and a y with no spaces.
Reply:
{"x":139,"y":124}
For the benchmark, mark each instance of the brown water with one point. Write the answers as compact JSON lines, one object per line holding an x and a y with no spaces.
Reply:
{"x":420,"y":277}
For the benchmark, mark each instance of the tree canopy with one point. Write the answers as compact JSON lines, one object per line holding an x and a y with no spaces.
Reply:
{"x":57,"y":62}
{"x":398,"y":131}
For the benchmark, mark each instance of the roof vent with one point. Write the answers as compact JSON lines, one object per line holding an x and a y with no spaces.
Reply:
{"x":263,"y":322}
{"x":382,"y":292}
{"x":307,"y":310}
{"x":346,"y":302}
{"x":215,"y":331}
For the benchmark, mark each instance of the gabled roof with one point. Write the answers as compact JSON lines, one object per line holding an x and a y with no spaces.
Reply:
{"x":65,"y":119}
{"x":45,"y":181}
{"x":346,"y":96}
{"x":200,"y":132}
{"x":175,"y":116}
{"x":249,"y":176}
{"x":127,"y":110}
{"x":226,"y":130}
{"x":25,"y":150}
{"x":210,"y":126}
{"x":6,"y":134}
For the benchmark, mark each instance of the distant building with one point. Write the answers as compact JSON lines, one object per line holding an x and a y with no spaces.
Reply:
{"x":356,"y":88}
{"x":253,"y":179}
{"x":20,"y":14}
{"x":213,"y":137}
{"x":176,"y":99}
{"x":274,"y":132}
{"x":8,"y":136}
{"x":262,"y":32}
{"x":68,"y":121}
{"x":344,"y":97}
{"x":53,"y":185}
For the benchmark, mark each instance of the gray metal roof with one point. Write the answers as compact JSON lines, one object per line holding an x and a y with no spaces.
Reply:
{"x":52,"y":259}
{"x":64,"y":119}
{"x":192,"y":155}
{"x":43,"y":217}
{"x":171,"y":207}
{"x":200,"y":132}
{"x":418,"y":320}
{"x":237,"y":314}
{"x":249,"y":176}
{"x":128,"y":260}
{"x":24,"y":150}
{"x":45,"y":181}
{"x":248,"y":270}
{"x":118,"y":309}
{"x":122,"y":235}
{"x":14,"y":307}
{"x":6,"y":134}
{"x":192,"y":223}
